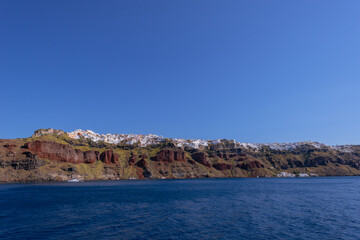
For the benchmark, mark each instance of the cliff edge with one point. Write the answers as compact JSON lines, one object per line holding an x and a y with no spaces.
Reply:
{"x":55,"y":155}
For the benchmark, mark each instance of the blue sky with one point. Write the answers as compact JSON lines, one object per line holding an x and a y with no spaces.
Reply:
{"x":254,"y":71}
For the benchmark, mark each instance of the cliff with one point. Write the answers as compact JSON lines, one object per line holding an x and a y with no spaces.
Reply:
{"x":54,"y":155}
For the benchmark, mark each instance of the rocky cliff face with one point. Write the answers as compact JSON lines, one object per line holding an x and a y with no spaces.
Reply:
{"x":109,"y":157}
{"x":170,"y":155}
{"x":60,"y":152}
{"x":52,"y":155}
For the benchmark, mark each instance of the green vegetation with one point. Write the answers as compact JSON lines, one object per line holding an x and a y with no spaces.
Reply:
{"x":91,"y":171}
{"x":265,"y":162}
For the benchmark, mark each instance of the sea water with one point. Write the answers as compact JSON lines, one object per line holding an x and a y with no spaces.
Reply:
{"x":248,"y":208}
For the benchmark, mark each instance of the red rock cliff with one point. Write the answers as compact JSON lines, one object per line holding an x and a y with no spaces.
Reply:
{"x":109,"y":157}
{"x":201,"y":158}
{"x":60,"y":152}
{"x":170,"y":155}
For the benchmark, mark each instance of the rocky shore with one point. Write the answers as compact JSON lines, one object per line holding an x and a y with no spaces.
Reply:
{"x":54,"y":155}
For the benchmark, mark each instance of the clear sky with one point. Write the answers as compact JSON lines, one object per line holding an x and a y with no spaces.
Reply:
{"x":254,"y":71}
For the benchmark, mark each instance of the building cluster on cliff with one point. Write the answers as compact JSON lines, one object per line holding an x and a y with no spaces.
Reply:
{"x":150,"y":139}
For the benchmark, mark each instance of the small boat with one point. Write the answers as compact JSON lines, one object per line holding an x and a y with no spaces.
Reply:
{"x":73,"y":180}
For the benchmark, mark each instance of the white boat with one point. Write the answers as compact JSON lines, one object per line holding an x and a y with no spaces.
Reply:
{"x":73,"y":180}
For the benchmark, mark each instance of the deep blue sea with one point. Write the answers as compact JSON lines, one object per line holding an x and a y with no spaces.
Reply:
{"x":255,"y":208}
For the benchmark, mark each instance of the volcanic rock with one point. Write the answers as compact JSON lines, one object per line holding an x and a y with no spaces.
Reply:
{"x":170,"y":155}
{"x":222,"y":166}
{"x":26,"y":164}
{"x":109,"y":157}
{"x":250,"y":165}
{"x":201,"y":158}
{"x":60,"y":152}
{"x":141,"y":163}
{"x":132,"y":159}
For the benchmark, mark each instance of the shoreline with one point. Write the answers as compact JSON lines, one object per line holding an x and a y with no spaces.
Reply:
{"x":172,"y":179}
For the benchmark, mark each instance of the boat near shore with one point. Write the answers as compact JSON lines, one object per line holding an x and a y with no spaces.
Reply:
{"x":74,"y":180}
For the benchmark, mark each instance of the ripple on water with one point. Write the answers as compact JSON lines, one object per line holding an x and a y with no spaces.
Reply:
{"x":312,"y":208}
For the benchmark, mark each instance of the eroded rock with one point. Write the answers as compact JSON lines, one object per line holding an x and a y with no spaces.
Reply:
{"x":170,"y":155}
{"x":60,"y":152}
{"x":222,"y":166}
{"x":250,"y":165}
{"x":141,"y":163}
{"x":201,"y":158}
{"x":109,"y":157}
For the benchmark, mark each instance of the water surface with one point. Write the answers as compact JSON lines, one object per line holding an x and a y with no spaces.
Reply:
{"x":260,"y":208}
